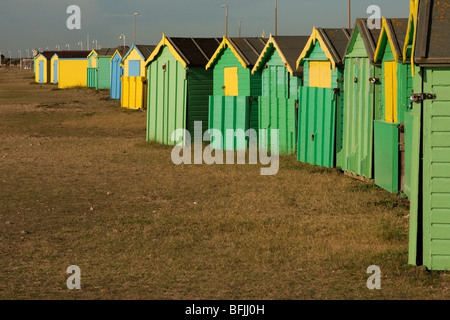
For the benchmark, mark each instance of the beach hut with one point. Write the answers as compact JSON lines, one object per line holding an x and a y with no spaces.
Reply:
{"x":134,"y":82}
{"x":430,"y":181}
{"x":362,"y":87}
{"x":98,"y":73}
{"x":321,"y":99}
{"x":278,"y":103}
{"x":389,"y":134}
{"x":43,"y":65}
{"x":179,"y":86}
{"x":70,"y":68}
{"x":117,"y":72}
{"x":234,"y":102}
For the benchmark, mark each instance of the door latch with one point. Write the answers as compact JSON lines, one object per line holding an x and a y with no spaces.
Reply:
{"x":418,"y":97}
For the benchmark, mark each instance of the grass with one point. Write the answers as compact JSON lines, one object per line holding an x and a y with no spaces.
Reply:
{"x":80,"y":186}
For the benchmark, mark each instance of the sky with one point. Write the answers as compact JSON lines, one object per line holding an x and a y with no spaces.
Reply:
{"x":33,"y":24}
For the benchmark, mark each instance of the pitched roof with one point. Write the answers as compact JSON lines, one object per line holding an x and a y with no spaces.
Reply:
{"x":105,"y":52}
{"x":369,"y":36}
{"x":74,"y":54}
{"x":394,"y":32}
{"x":333,"y":41}
{"x":247,"y":50}
{"x":433,"y":33}
{"x":48,"y":54}
{"x":288,"y":47}
{"x":146,"y":50}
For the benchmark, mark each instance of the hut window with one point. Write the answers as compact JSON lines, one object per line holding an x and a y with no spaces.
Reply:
{"x":231,"y":81}
{"x":134,"y":68}
{"x":320,"y":74}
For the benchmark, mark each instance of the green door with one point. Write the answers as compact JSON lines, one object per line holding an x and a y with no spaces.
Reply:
{"x":436,"y":170}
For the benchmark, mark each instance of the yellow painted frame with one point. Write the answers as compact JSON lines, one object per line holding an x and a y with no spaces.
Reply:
{"x":225,"y":43}
{"x":412,"y":23}
{"x":271,"y":43}
{"x":379,"y":50}
{"x":315,"y":36}
{"x":391,"y":92}
{"x":163,"y":43}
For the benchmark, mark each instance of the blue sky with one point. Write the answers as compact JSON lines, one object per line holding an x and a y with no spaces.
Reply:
{"x":28,"y":24}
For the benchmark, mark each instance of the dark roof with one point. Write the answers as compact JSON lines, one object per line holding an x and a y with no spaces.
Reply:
{"x":49,"y":54}
{"x":291,"y":47}
{"x":146,"y":50}
{"x":195,"y":51}
{"x":398,"y":29}
{"x":123,"y":50}
{"x":370,"y":37}
{"x":74,"y":54}
{"x":336,"y":41}
{"x":433,"y":32}
{"x":108,"y":52}
{"x":249,"y":48}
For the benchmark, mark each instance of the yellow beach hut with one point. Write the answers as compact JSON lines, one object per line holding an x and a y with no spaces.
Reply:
{"x":70,"y":68}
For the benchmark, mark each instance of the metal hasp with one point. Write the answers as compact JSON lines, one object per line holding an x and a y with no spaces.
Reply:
{"x":418,"y":97}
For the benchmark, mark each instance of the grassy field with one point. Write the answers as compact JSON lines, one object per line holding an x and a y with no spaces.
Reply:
{"x":80,"y":186}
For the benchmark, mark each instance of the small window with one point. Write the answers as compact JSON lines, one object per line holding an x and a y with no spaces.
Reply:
{"x":134,"y":68}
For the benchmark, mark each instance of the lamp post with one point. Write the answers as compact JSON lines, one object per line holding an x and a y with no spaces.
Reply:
{"x":276,"y":17}
{"x":9,"y":52}
{"x":240,"y":28}
{"x":28,"y":53}
{"x":58,"y":47}
{"x":96,"y":44}
{"x":226,"y":19}
{"x":20,"y":59}
{"x":134,"y":27}
{"x":67,"y":46}
{"x":349,"y":14}
{"x":80,"y":43}
{"x":122,"y":37}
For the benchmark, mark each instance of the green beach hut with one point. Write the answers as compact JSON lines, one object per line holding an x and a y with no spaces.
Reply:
{"x":234,"y":102}
{"x":430,"y":193}
{"x":391,"y":163}
{"x":99,"y":71}
{"x":278,"y":103}
{"x":361,"y":89}
{"x":179,"y":86}
{"x":321,"y":99}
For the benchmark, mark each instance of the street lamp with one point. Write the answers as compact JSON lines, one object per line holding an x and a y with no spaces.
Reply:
{"x":134,"y":27}
{"x":240,"y":28}
{"x":57,"y":47}
{"x":9,"y":52}
{"x":20,"y":58}
{"x":226,"y":19}
{"x":96,"y":44}
{"x":80,"y":43}
{"x":67,"y":46}
{"x":122,"y":37}
{"x":276,"y":17}
{"x":349,"y":14}
{"x":28,"y":53}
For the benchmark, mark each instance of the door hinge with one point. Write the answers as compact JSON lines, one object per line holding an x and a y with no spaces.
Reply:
{"x":418,"y":97}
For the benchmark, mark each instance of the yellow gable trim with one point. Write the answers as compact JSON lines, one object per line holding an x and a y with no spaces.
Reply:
{"x":270,"y":43}
{"x":112,"y":57}
{"x":315,"y":36}
{"x":385,"y":33}
{"x":165,"y":42}
{"x":225,"y":43}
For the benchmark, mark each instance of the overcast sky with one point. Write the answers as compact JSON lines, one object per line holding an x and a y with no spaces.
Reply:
{"x":28,"y":24}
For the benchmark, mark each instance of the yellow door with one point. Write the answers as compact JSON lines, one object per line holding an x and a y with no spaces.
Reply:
{"x":320,"y":74}
{"x":231,"y":81}
{"x":390,"y":92}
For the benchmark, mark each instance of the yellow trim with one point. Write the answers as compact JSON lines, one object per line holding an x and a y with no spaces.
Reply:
{"x":412,"y":23}
{"x":117,"y":51}
{"x":165,"y":42}
{"x":225,"y":43}
{"x":315,"y":36}
{"x":384,"y":32}
{"x":272,"y":42}
{"x":391,"y":92}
